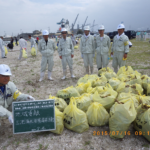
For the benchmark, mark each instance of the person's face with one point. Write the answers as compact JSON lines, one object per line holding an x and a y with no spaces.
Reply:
{"x":86,"y":32}
{"x":4,"y":80}
{"x":101,"y":32}
{"x":120,"y":31}
{"x":45,"y":37}
{"x":29,"y":37}
{"x":64,"y":34}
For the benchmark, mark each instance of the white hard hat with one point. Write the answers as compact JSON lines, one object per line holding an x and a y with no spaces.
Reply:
{"x":101,"y":27}
{"x":121,"y":26}
{"x":45,"y":32}
{"x":63,"y":30}
{"x":5,"y":70}
{"x":87,"y":28}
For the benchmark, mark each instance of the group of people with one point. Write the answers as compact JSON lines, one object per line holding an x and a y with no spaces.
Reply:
{"x":142,"y":36}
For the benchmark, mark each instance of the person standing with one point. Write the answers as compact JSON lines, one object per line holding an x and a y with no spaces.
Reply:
{"x":47,"y":48}
{"x":9,"y":93}
{"x":120,"y":48}
{"x":73,"y":39}
{"x":33,"y":42}
{"x":23,"y":45}
{"x":66,"y":53}
{"x":102,"y":48}
{"x":16,"y":41}
{"x":2,"y":44}
{"x":87,"y":49}
{"x":37,"y":40}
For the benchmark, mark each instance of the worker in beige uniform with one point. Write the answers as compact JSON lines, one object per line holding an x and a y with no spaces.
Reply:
{"x":23,"y":45}
{"x":120,"y":48}
{"x":66,"y":53}
{"x":9,"y":93}
{"x":87,"y":49}
{"x":102,"y":48}
{"x":47,"y":48}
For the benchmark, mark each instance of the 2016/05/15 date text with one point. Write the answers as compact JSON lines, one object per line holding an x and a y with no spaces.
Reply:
{"x":96,"y":133}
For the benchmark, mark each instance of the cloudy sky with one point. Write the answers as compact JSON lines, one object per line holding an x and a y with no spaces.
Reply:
{"x":27,"y":15}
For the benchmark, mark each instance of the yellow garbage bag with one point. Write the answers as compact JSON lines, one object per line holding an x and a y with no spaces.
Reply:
{"x":99,"y":89}
{"x":84,"y":101}
{"x":24,"y":53}
{"x":121,"y":116}
{"x":125,"y":70}
{"x":103,"y":70}
{"x":33,"y":51}
{"x":142,"y":121}
{"x":109,"y":75}
{"x":59,"y":103}
{"x":145,"y":100}
{"x":123,"y":97}
{"x":114,"y":83}
{"x":6,"y":52}
{"x":56,"y":47}
{"x":74,"y":118}
{"x":146,"y":84}
{"x":101,"y":81}
{"x":135,"y":88}
{"x":59,"y":117}
{"x":97,"y":115}
{"x":82,"y":87}
{"x":67,"y":93}
{"x":13,"y":43}
{"x":75,"y":47}
{"x":87,"y":78}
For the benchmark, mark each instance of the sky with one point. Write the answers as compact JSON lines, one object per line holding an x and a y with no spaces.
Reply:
{"x":27,"y":15}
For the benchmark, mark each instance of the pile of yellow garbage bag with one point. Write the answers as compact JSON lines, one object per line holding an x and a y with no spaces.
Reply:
{"x":108,"y":98}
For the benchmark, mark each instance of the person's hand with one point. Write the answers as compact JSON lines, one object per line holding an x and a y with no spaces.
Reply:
{"x":125,"y":56}
{"x":72,"y":56}
{"x":60,"y":57}
{"x":30,"y":98}
{"x":11,"y":120}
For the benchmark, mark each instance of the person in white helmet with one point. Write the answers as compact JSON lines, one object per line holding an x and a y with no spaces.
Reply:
{"x":9,"y":93}
{"x":120,"y":48}
{"x":2,"y":44}
{"x":87,"y":49}
{"x":102,"y":48}
{"x":23,"y":45}
{"x":66,"y":53}
{"x":47,"y":48}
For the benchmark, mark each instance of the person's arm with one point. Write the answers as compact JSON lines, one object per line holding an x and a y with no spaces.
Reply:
{"x":4,"y":112}
{"x":93,"y":45}
{"x":81,"y":45}
{"x":112,"y":48}
{"x":72,"y":48}
{"x":126,"y":45}
{"x":59,"y":49}
{"x":39,"y":47}
{"x":108,"y":42}
{"x":54,"y":46}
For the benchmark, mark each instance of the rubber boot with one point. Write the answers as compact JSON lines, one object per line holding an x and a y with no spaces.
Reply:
{"x":50,"y":76}
{"x":64,"y":73}
{"x":91,"y":69}
{"x":71,"y":72}
{"x":87,"y":70}
{"x":42,"y":76}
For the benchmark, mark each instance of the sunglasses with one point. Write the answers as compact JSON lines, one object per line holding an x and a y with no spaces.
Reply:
{"x":64,"y":33}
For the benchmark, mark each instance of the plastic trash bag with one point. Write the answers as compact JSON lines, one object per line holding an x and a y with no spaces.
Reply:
{"x":56,"y":47}
{"x":145,"y":100}
{"x":123,"y":97}
{"x":67,"y":93}
{"x":75,"y":47}
{"x":97,"y":115}
{"x":142,"y":121}
{"x":136,"y":88}
{"x":6,"y":52}
{"x":125,"y":70}
{"x":82,"y":87}
{"x":114,"y":83}
{"x":146,"y":84}
{"x":24,"y":53}
{"x":74,"y":118}
{"x":84,"y":101}
{"x":33,"y":51}
{"x":106,"y":98}
{"x":101,"y":81}
{"x":99,"y":89}
{"x":103,"y":70}
{"x":59,"y":103}
{"x":13,"y":43}
{"x":59,"y":117}
{"x":121,"y":116}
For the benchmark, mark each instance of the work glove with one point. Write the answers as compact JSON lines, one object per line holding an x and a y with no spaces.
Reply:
{"x":11,"y":120}
{"x":30,"y":98}
{"x":82,"y":55}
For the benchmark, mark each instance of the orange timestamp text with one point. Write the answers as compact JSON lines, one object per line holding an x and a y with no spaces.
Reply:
{"x":96,"y":133}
